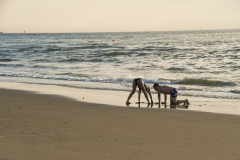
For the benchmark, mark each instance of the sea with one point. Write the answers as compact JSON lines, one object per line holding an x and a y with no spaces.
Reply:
{"x":203,"y":63}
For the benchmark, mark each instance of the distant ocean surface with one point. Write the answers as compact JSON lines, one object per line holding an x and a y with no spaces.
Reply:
{"x":197,"y":63}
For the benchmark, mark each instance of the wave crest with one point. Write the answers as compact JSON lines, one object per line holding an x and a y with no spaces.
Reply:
{"x":204,"y":82}
{"x":5,"y":60}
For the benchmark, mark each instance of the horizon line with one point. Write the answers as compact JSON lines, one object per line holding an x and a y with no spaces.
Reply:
{"x":24,"y":32}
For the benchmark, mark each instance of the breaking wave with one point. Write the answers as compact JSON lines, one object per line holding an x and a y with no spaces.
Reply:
{"x":205,"y":82}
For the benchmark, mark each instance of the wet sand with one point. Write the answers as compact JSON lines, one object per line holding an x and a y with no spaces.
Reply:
{"x":41,"y":126}
{"x":118,"y":98}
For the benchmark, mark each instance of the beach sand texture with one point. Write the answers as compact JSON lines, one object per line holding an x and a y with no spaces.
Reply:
{"x":40,"y":127}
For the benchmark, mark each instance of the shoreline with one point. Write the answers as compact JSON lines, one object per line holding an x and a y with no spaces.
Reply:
{"x":43,"y":126}
{"x":118,"y":98}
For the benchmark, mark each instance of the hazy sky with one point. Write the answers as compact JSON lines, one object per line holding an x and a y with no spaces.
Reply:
{"x":117,"y":15}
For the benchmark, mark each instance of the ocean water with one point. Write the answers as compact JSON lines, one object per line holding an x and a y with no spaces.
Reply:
{"x":197,"y":63}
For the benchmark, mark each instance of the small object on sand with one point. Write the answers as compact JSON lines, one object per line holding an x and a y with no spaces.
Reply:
{"x":83,"y":98}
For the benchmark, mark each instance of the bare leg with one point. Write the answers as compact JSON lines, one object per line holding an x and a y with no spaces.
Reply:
{"x":133,"y":91}
{"x":146,"y":96}
{"x":176,"y":102}
{"x":141,"y":85}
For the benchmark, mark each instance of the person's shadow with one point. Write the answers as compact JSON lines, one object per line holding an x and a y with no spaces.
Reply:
{"x":162,"y":104}
{"x":150,"y":105}
{"x":143,"y":104}
{"x":172,"y":106}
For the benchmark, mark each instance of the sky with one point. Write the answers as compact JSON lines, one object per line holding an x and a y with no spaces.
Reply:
{"x":67,"y":16}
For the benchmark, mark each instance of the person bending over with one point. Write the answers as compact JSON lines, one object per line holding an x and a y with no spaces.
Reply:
{"x":142,"y":87}
{"x":168,"y":90}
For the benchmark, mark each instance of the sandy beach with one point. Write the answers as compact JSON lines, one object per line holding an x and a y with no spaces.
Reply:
{"x":40,"y":126}
{"x":67,"y":69}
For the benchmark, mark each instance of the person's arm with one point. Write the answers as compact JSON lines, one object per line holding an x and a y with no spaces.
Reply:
{"x":139,"y":93}
{"x":165,"y":99}
{"x":159,"y":97}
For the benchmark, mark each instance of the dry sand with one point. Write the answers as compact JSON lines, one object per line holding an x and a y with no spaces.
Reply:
{"x":41,"y":127}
